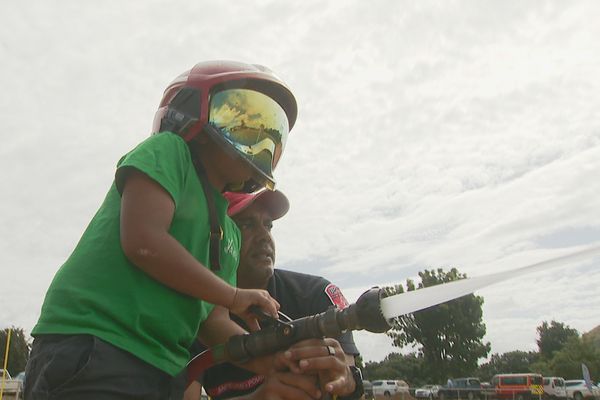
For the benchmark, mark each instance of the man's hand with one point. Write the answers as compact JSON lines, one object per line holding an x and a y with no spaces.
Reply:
{"x":325,"y":358}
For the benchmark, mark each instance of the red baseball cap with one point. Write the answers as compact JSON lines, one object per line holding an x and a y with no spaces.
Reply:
{"x":274,"y":202}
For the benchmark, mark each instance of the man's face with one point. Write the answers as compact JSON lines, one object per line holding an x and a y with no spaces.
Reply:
{"x":257,"y":255}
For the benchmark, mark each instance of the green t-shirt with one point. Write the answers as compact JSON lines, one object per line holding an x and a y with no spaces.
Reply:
{"x":99,"y":291}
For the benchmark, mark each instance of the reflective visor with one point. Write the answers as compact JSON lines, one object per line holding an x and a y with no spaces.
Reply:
{"x":253,"y":123}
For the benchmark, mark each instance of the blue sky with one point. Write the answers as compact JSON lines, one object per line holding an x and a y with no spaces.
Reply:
{"x":430,"y":134}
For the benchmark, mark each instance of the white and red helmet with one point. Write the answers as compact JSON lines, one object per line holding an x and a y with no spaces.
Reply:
{"x":244,"y":107}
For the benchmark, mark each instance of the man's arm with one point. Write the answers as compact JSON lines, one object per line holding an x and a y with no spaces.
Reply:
{"x":334,"y":370}
{"x":193,"y":391}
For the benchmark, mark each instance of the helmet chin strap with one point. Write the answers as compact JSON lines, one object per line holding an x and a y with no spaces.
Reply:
{"x":234,"y":187}
{"x":249,"y":186}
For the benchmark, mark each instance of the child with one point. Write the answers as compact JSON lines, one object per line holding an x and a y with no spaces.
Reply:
{"x":122,"y":311}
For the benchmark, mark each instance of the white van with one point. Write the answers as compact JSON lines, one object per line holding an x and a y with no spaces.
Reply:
{"x":389,"y":388}
{"x":554,"y":388}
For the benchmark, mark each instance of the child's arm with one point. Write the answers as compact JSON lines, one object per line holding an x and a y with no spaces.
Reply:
{"x":146,"y":213}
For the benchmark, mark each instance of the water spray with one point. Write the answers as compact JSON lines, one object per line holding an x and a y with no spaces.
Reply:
{"x":371,"y":312}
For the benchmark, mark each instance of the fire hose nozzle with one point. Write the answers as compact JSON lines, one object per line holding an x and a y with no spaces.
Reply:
{"x":364,"y":314}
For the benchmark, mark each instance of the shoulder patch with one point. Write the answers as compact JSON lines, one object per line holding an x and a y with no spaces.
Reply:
{"x":335,"y":295}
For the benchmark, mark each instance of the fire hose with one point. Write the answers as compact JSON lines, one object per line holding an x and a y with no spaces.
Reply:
{"x":364,"y":314}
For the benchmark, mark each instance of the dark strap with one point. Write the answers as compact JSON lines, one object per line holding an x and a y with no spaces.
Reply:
{"x":216,"y":232}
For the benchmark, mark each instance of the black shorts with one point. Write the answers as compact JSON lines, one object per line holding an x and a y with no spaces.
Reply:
{"x":70,"y":367}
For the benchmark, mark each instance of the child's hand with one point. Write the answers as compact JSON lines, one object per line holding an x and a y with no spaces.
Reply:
{"x":244,"y":298}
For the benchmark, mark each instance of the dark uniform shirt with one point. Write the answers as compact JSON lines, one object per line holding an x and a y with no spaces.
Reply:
{"x":299,"y":295}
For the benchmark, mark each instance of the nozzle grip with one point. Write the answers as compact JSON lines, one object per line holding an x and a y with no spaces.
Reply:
{"x":364,"y":314}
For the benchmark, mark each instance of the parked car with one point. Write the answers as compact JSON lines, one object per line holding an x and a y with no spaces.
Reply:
{"x":554,"y":388}
{"x":460,"y":388}
{"x":10,"y":385}
{"x":389,"y":388}
{"x":578,"y":390}
{"x":427,"y":392}
{"x":518,"y":386}
{"x":368,"y":388}
{"x":402,"y":386}
{"x":487,"y":390}
{"x":21,"y":376}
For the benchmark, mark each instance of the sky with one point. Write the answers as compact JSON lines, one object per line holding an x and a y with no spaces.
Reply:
{"x":430,"y":134}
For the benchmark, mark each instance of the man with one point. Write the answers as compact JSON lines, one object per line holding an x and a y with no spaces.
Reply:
{"x":299,"y":295}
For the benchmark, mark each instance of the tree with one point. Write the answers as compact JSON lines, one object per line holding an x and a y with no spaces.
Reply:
{"x":552,"y":338}
{"x":593,"y":336}
{"x":450,"y":334}
{"x":567,"y":361}
{"x":359,"y":362}
{"x":19,"y":349}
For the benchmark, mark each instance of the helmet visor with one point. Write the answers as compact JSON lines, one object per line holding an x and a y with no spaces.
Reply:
{"x":253,"y":123}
